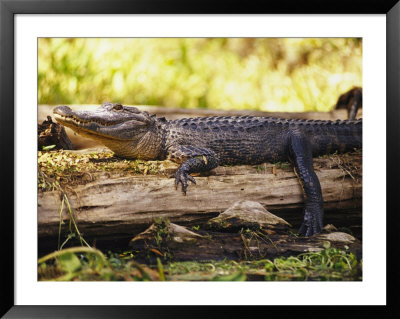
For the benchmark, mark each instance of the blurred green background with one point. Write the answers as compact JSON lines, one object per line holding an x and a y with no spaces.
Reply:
{"x":277,"y":74}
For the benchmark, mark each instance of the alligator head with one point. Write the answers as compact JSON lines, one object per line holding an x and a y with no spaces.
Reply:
{"x":125,"y":130}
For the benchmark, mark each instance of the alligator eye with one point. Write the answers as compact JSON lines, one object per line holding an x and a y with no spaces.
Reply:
{"x":117,"y":107}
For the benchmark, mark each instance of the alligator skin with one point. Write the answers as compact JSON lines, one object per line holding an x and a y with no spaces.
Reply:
{"x":201,"y":144}
{"x":350,"y":101}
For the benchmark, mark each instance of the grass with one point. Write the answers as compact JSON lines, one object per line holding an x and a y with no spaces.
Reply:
{"x":73,"y":227}
{"x":88,"y":264}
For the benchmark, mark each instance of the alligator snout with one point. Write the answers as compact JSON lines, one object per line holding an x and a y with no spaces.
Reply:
{"x":63,"y":110}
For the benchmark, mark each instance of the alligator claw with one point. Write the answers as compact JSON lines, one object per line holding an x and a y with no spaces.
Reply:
{"x":182,"y":176}
{"x":190,"y":178}
{"x":312,"y":224}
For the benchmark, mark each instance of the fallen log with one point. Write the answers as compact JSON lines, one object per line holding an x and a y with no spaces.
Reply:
{"x":116,"y":205}
{"x":52,"y":135}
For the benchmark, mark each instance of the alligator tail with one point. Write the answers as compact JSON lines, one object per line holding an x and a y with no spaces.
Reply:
{"x":328,"y":137}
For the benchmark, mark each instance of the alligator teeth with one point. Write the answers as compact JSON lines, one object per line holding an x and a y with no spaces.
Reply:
{"x":76,"y":120}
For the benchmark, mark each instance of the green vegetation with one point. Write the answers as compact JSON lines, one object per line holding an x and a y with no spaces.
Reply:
{"x":292,"y":74}
{"x":328,"y":264}
{"x":89,"y":264}
{"x":62,"y":167}
{"x":282,"y":165}
{"x":85,"y":264}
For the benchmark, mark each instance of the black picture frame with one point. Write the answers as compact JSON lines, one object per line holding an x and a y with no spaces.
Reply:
{"x":8,"y":10}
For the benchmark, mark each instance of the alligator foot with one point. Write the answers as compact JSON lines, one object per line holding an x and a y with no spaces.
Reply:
{"x":181,"y":176}
{"x":312,"y":224}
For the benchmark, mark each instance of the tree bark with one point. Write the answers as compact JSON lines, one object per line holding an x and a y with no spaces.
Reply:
{"x":116,"y":207}
{"x":53,"y":135}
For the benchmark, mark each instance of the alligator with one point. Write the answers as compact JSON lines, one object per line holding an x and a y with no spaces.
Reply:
{"x":350,"y":101}
{"x":201,"y":144}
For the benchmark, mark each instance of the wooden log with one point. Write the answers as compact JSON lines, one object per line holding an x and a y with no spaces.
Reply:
{"x":53,"y":135}
{"x":121,"y":206}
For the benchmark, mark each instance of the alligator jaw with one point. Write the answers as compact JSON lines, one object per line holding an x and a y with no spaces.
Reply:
{"x":124,"y":129}
{"x":75,"y":120}
{"x":87,"y":128}
{"x":97,"y":125}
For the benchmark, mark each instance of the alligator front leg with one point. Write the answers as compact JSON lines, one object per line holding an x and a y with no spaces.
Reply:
{"x":301,"y":155}
{"x":194,"y":160}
